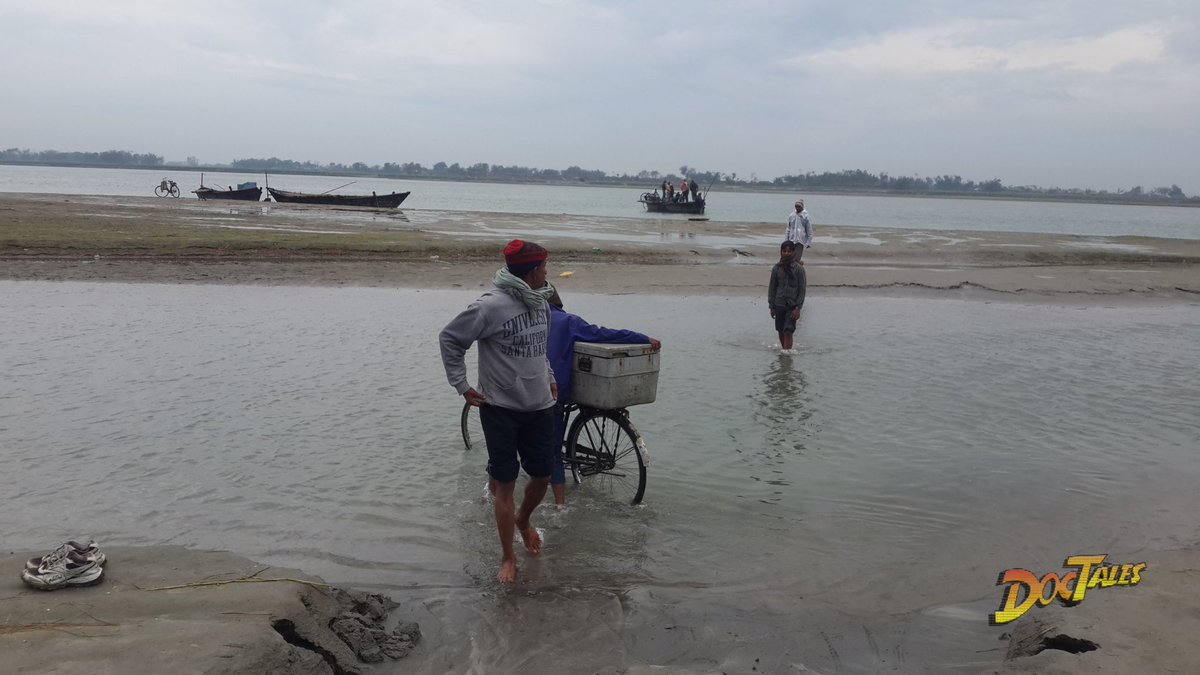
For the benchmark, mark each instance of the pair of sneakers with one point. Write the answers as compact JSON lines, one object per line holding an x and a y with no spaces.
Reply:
{"x":71,"y":564}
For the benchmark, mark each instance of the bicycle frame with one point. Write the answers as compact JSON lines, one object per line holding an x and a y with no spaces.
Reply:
{"x":575,"y":409}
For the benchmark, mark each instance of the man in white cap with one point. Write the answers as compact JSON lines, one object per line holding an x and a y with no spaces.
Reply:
{"x":799,"y":228}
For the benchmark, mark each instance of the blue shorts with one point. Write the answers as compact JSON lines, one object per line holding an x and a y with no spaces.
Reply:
{"x":518,"y":440}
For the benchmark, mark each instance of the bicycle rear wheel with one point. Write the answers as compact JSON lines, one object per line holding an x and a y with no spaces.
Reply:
{"x":160,"y":192}
{"x":472,"y":428}
{"x":605,"y":450}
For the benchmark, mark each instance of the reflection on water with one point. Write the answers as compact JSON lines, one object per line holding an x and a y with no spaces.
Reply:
{"x":265,"y":208}
{"x":905,"y":454}
{"x":784,"y":404}
{"x":783,"y":408}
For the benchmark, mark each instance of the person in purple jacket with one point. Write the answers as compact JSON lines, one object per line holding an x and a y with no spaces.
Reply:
{"x":565,"y":330}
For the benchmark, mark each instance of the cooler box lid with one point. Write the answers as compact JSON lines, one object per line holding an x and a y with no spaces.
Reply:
{"x":605,"y":351}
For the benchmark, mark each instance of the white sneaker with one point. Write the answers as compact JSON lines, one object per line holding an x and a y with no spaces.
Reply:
{"x":71,"y":570}
{"x":89,"y":550}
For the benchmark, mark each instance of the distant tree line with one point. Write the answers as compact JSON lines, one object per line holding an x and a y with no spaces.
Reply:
{"x":947,"y":184}
{"x":106,"y":158}
{"x":856,"y":180}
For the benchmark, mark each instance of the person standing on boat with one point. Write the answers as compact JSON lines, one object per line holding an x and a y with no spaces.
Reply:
{"x":799,"y":227}
{"x":511,"y":325}
{"x":695,"y":191}
{"x":683,"y":189}
{"x":670,"y":191}
{"x":565,"y":330}
{"x":664,"y":190}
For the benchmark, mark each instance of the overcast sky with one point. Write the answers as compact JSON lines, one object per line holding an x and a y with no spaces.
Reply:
{"x":1087,"y":93}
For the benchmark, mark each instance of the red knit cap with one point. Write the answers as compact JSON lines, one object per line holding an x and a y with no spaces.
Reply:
{"x":523,"y":252}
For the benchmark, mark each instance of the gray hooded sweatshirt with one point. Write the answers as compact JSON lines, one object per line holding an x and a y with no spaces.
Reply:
{"x":514,"y":372}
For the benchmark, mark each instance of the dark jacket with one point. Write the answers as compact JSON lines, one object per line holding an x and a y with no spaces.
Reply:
{"x":565,"y":330}
{"x":788,"y":285}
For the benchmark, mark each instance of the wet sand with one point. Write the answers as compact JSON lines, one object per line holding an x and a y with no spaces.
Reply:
{"x":169,"y":609}
{"x":1136,"y":629}
{"x":134,"y":239}
{"x":148,"y":240}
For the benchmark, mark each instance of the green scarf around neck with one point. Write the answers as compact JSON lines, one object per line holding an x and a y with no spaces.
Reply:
{"x":516,"y":287}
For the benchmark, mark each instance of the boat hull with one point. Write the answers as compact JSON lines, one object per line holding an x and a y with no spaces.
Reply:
{"x":389,"y":201}
{"x":655,"y":204}
{"x":247,"y":195}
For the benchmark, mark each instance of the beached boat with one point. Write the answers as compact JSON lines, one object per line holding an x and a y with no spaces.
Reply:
{"x":372,"y":200}
{"x":656,"y":204}
{"x":245,"y":194}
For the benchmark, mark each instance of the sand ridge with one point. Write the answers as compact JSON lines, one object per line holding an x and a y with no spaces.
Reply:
{"x":136,"y":239}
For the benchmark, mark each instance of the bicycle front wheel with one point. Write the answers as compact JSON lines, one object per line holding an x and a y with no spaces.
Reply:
{"x":160,"y":192}
{"x":174,"y":190}
{"x":472,"y":428}
{"x":606,"y":451}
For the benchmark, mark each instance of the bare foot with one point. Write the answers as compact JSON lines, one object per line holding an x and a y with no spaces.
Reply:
{"x":508,"y":572}
{"x":533,"y":540}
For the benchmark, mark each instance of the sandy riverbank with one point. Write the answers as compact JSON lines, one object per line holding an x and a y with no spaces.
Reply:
{"x":170,"y":609}
{"x":133,"y":239}
{"x":1132,"y":629}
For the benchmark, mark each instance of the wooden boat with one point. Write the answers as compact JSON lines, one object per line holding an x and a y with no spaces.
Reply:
{"x":246,"y":192}
{"x":246,"y":195}
{"x":372,"y":200}
{"x":656,"y":204}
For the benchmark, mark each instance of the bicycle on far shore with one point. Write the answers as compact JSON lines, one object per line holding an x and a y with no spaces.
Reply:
{"x":167,"y":187}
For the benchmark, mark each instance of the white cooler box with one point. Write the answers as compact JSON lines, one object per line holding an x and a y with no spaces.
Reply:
{"x":613,"y":376}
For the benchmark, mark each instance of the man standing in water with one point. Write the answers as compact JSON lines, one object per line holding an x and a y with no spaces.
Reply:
{"x":799,"y":227}
{"x":511,"y":324}
{"x":785,"y":294}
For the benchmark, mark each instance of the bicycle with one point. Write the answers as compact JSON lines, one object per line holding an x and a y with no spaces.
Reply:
{"x":167,"y":187}
{"x":601,"y":446}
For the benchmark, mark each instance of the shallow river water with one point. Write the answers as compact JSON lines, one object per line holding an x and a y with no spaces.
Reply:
{"x":846,"y":508}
